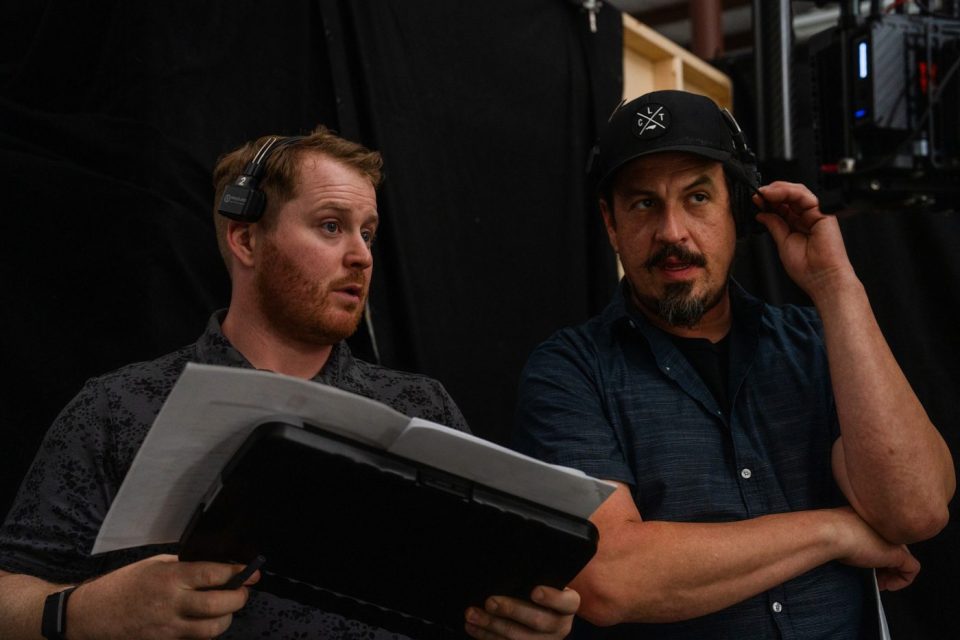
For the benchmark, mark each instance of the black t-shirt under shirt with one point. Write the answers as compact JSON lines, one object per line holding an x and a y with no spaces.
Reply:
{"x":711,"y":361}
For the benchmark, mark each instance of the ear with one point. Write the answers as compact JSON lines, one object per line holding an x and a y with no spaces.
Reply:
{"x":610,"y":223}
{"x":241,"y":238}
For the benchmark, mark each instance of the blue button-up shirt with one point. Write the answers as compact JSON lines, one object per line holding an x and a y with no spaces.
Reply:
{"x":617,"y":399}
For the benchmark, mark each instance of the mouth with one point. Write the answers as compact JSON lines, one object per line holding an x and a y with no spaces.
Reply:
{"x":676,"y":262}
{"x":351,"y":291}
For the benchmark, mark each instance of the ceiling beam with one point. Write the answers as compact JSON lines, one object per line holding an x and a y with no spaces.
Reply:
{"x":677,"y":12}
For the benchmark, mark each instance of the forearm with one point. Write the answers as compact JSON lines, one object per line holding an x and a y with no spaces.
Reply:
{"x":667,"y":571}
{"x":21,"y":605}
{"x":899,"y":472}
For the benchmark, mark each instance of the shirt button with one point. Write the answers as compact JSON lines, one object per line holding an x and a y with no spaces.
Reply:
{"x":777,"y":607}
{"x":745,"y":474}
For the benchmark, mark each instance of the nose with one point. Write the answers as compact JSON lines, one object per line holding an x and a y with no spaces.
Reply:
{"x":671,"y":225}
{"x":358,"y":254}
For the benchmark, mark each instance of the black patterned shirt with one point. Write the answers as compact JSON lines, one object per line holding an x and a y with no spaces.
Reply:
{"x":77,"y":472}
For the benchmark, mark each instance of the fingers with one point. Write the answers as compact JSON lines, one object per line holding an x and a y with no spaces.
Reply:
{"x":796,"y":196}
{"x":211,"y":604}
{"x":550,"y":615}
{"x":565,"y":601}
{"x":896,"y":578}
{"x":202,"y":597}
{"x":793,"y":203}
{"x":207,"y":575}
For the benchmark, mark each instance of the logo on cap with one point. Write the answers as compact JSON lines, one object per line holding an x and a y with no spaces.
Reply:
{"x":652,"y":121}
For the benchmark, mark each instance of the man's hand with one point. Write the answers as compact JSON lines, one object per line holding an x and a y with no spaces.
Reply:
{"x":896,"y":567}
{"x":549,"y":615}
{"x":809,"y":241}
{"x":157,"y":598}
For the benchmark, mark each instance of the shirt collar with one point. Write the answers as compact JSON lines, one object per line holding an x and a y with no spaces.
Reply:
{"x":214,"y":348}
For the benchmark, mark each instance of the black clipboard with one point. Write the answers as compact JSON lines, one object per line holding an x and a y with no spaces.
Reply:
{"x":358,"y":531}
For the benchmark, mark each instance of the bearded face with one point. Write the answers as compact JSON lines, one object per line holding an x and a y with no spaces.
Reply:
{"x":679,"y":304}
{"x":671,"y":225}
{"x":309,"y":307}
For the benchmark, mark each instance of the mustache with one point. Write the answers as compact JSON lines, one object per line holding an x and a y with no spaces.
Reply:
{"x":359,"y":279}
{"x":677,"y":251}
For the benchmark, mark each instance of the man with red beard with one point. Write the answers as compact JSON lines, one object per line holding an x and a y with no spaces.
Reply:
{"x":766,"y":457}
{"x":300,"y":268}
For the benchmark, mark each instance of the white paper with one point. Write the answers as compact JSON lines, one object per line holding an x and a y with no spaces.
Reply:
{"x":561,"y":488}
{"x":881,"y":615}
{"x":213,"y":409}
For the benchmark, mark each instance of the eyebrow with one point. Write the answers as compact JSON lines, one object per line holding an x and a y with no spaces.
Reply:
{"x":700,"y":180}
{"x":341,"y":207}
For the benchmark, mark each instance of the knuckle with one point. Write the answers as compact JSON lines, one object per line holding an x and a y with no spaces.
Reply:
{"x":205,"y":608}
{"x":207,"y":574}
{"x":212,"y":627}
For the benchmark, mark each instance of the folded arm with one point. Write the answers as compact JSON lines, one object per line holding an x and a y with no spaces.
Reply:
{"x":654,"y":571}
{"x":890,"y":461}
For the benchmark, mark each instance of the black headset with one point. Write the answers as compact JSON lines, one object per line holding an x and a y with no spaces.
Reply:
{"x":243,"y":200}
{"x":746,"y":180}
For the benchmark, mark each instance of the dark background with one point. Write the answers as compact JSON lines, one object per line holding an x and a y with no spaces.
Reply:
{"x":113,"y":113}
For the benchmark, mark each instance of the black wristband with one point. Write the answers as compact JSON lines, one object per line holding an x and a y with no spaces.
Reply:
{"x":54,"y":623}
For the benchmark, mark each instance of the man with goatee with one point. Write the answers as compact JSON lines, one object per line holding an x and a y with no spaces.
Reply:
{"x":766,"y":457}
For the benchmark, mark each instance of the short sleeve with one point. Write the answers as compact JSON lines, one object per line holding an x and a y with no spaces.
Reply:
{"x":562,"y":416}
{"x":64,"y":497}
{"x":452,"y":416}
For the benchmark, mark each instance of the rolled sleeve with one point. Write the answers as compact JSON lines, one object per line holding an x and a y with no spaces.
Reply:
{"x":561,"y":416}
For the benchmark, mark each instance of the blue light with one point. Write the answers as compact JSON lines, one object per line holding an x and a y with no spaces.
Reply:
{"x":862,"y":51}
{"x":859,"y":113}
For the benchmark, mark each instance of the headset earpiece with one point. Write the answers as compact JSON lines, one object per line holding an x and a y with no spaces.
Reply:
{"x":746,"y":179}
{"x":243,"y":200}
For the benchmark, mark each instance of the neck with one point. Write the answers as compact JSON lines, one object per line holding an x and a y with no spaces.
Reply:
{"x":266,"y":349}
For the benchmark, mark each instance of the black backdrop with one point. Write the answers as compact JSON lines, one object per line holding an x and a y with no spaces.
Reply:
{"x":112,"y":114}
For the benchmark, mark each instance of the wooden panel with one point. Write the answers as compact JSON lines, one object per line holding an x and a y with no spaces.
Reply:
{"x":652,"y":62}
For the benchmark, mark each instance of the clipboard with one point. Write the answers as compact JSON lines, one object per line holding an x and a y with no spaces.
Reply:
{"x":356,"y":530}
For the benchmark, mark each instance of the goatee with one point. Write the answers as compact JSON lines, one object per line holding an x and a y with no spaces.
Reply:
{"x":678,"y":307}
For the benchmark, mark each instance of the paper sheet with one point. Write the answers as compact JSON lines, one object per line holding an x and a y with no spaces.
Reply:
{"x":213,"y":409}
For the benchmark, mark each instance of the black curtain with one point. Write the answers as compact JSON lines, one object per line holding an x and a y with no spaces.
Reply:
{"x":485,"y":119}
{"x":113,"y":113}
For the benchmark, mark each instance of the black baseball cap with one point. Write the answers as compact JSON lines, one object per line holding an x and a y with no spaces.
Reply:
{"x":664,"y":121}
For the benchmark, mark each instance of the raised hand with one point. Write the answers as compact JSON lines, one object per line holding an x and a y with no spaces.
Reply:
{"x":809,"y":241}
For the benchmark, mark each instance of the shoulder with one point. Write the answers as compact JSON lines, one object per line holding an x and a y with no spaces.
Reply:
{"x":119,"y":406}
{"x":583,"y":346}
{"x":793,"y":321}
{"x":413,"y":394}
{"x":146,"y":382}
{"x":785,"y":323}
